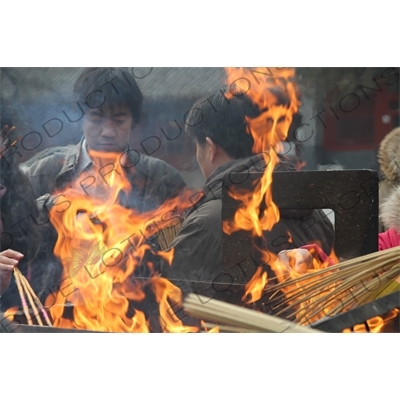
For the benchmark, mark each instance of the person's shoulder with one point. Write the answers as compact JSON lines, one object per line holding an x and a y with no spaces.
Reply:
{"x":156,"y":169}
{"x":207,"y":216}
{"x":388,"y":239}
{"x":48,"y":155}
{"x":153,"y":163}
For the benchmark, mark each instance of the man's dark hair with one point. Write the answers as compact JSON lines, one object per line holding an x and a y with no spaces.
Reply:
{"x":222,"y":118}
{"x":111,"y":86}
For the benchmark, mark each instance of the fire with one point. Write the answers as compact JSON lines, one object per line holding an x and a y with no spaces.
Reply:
{"x":214,"y":329}
{"x":275,"y":95}
{"x":166,"y":292}
{"x":269,"y":129}
{"x":315,"y":290}
{"x":254,"y":288}
{"x":167,"y":255}
{"x":101,"y":244}
{"x":10,"y":313}
{"x":375,"y":324}
{"x":293,"y":296}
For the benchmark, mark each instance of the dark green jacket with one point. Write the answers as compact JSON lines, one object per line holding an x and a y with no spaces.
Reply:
{"x":153,"y":181}
{"x":54,"y":170}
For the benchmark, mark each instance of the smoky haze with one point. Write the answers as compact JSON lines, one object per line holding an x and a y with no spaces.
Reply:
{"x":46,"y":113}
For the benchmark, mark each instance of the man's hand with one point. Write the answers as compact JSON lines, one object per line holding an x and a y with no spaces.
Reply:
{"x":8,"y":260}
{"x":299,"y":260}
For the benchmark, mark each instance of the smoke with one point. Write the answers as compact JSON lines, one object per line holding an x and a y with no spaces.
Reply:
{"x":46,"y":114}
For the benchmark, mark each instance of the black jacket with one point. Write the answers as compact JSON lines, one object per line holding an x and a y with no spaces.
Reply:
{"x":198,"y":246}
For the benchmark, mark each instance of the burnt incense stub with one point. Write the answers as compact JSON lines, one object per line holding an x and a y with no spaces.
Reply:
{"x":351,"y":194}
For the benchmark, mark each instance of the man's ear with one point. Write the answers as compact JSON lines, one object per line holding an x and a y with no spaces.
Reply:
{"x":214,"y":149}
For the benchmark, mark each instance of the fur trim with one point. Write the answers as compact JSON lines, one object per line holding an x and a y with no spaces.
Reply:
{"x":390,"y":210}
{"x":389,"y":156}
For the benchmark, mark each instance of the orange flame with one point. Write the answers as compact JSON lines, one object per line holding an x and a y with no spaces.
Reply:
{"x":301,"y":263}
{"x":274,"y":92}
{"x":166,"y":292}
{"x":167,"y":255}
{"x":375,"y":324}
{"x":101,"y":244}
{"x":318,"y":304}
{"x":214,"y":329}
{"x":254,"y":288}
{"x":269,"y":129}
{"x":10,"y":313}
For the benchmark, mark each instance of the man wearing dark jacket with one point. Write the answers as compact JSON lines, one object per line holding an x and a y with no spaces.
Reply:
{"x":219,"y":128}
{"x":111,"y":103}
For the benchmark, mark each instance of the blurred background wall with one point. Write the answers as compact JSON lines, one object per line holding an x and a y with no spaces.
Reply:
{"x":345,"y":113}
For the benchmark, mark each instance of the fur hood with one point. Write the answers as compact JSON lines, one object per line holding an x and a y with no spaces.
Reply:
{"x":390,"y":210}
{"x":389,"y":156}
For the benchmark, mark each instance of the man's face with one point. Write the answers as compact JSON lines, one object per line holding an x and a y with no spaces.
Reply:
{"x":107,"y":128}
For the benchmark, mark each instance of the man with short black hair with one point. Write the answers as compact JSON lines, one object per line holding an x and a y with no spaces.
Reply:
{"x":111,"y":102}
{"x":220,"y":129}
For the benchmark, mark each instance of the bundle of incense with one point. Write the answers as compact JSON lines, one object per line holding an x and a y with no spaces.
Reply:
{"x":29,"y":300}
{"x":236,"y":317}
{"x":167,"y":235}
{"x":339,"y":288}
{"x":228,"y":329}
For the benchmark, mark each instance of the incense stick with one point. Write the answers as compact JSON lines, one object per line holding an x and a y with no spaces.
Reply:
{"x":349,"y":283}
{"x":31,"y":302}
{"x":22,"y":296}
{"x":35,"y":299}
{"x":25,"y":288}
{"x":167,"y":235}
{"x":230,"y":329}
{"x":240,"y":317}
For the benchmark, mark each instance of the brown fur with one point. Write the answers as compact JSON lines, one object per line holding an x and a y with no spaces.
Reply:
{"x":389,"y":156}
{"x":390,"y":210}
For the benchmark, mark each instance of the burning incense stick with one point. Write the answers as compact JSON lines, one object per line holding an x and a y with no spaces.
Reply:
{"x":338,"y":288}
